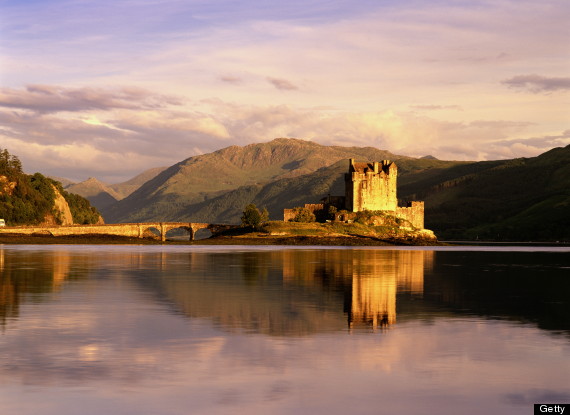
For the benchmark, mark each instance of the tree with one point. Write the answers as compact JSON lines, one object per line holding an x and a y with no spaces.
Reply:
{"x":253,"y":217}
{"x":303,"y":214}
{"x":332,"y":212}
{"x":10,"y":165}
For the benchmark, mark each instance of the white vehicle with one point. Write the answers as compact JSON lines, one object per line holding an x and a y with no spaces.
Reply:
{"x":2,"y":222}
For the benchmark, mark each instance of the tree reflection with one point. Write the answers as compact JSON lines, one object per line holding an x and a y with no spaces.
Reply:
{"x":29,"y":276}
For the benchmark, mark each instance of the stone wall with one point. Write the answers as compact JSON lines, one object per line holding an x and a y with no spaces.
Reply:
{"x":132,"y":230}
{"x":314,"y":208}
{"x":413,"y":213}
{"x":289,"y":215}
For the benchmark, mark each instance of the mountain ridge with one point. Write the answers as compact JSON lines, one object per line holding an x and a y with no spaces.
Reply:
{"x":495,"y":199}
{"x":199,"y":178}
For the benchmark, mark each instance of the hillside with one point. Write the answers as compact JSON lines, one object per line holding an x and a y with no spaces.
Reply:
{"x":124,"y":189}
{"x":204,"y":187}
{"x":36,"y":199}
{"x":97,"y":192}
{"x":102,"y":195}
{"x":519,"y":199}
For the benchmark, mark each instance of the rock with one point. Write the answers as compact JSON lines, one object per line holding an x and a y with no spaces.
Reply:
{"x":62,"y":211}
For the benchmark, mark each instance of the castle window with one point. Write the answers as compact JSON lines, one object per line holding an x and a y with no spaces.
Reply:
{"x":364,"y":184}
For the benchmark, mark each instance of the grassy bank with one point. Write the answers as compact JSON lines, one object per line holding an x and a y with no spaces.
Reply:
{"x":273,"y":233}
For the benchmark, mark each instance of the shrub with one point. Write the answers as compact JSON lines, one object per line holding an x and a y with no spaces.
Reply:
{"x":303,"y":214}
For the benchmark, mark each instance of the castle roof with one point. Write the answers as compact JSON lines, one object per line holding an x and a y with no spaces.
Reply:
{"x":361,"y":167}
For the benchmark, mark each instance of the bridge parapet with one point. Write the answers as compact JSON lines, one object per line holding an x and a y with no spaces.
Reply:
{"x":132,"y":230}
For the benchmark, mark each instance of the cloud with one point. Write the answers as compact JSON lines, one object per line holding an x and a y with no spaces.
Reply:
{"x":114,"y":134}
{"x":537,"y":83}
{"x":230,"y":79}
{"x":428,"y":107}
{"x":51,"y":99}
{"x":282,"y":84}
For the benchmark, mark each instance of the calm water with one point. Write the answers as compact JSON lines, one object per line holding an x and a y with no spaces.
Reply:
{"x":240,"y":330}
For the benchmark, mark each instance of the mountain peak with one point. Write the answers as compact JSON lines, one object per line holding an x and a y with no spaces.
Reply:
{"x":93,"y":180}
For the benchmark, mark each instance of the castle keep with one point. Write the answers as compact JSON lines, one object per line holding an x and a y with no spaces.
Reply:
{"x":369,"y":186}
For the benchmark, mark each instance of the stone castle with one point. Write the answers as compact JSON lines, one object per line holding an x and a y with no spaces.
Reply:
{"x":368,"y":186}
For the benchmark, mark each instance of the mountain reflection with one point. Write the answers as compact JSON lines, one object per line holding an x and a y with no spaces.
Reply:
{"x":167,"y":329}
{"x":294,"y":292}
{"x":297,"y":292}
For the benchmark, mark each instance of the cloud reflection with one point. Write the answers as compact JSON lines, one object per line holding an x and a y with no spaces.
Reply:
{"x":123,"y":341}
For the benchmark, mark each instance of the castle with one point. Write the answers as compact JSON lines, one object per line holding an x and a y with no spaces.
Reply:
{"x":368,"y":186}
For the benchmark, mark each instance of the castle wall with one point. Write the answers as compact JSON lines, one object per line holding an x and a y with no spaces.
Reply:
{"x":413,"y":213}
{"x":371,"y":186}
{"x":289,"y":214}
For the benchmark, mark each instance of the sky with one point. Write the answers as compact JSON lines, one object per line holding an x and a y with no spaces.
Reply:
{"x":108,"y":89}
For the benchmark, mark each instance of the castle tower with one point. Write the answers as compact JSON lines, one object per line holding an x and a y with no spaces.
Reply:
{"x":371,"y":186}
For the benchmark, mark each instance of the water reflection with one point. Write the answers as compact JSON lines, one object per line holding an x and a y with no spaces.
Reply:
{"x":29,"y":276}
{"x":292,"y":292}
{"x":138,"y":331}
{"x":299,"y":292}
{"x":519,"y":286}
{"x":369,"y":280}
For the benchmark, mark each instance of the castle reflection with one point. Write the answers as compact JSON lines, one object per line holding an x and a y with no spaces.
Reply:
{"x":276,"y":292}
{"x":296,"y":292}
{"x":370,"y":279}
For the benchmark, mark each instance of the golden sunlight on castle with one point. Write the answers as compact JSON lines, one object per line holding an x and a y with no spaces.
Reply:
{"x":368,"y":186}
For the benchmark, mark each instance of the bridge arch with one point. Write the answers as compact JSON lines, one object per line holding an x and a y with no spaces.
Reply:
{"x":173,"y":230}
{"x":150,"y":231}
{"x":203,"y":233}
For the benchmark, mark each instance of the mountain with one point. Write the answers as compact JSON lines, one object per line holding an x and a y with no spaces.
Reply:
{"x":64,"y":182}
{"x":525,"y":199}
{"x":216,"y":186}
{"x":518,"y":199}
{"x":126,"y":188}
{"x":97,"y":192}
{"x":102,"y":195}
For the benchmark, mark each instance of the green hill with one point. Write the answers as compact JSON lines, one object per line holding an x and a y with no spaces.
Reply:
{"x":34,"y":199}
{"x":520,"y":199}
{"x":216,"y":186}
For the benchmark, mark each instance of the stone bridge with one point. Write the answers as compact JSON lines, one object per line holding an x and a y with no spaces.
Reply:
{"x":132,"y":230}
